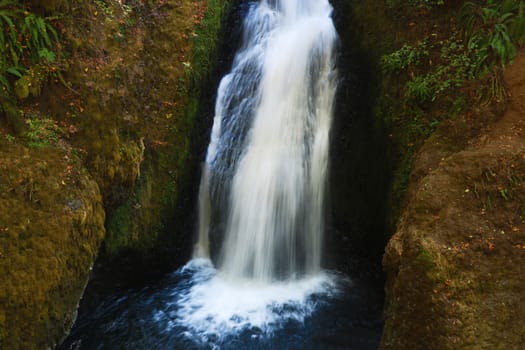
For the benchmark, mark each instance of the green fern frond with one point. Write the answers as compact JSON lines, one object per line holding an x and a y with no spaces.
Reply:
{"x":16,"y":71}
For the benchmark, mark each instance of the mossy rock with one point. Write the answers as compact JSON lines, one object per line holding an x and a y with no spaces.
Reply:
{"x":51,"y":225}
{"x":14,"y":117}
{"x":22,"y":87}
{"x":138,"y":225}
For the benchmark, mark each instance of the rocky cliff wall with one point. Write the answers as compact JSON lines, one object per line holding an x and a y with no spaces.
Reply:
{"x":454,"y":119}
{"x":95,"y":154}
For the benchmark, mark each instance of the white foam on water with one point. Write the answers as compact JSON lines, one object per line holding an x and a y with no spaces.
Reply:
{"x":214,"y":307}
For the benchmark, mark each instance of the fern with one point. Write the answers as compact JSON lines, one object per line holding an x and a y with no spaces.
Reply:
{"x":494,"y":29}
{"x":26,"y":39}
{"x":16,"y":71}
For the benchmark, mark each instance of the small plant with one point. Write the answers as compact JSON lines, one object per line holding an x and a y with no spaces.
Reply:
{"x":38,"y":34}
{"x":42,"y":131}
{"x":404,"y":57}
{"x":449,"y":70}
{"x":504,"y":192}
{"x":105,"y":8}
{"x":494,"y":29}
{"x":451,"y":73}
{"x":421,"y":88}
{"x":26,"y":39}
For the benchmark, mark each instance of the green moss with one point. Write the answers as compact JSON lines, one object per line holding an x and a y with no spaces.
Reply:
{"x":22,"y":88}
{"x":204,"y":51}
{"x":129,"y":114}
{"x":51,"y":242}
{"x":138,"y":223}
{"x":120,"y":229}
{"x":14,"y":117}
{"x":425,"y":260}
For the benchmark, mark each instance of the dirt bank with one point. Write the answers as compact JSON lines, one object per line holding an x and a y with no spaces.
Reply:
{"x":454,"y":265}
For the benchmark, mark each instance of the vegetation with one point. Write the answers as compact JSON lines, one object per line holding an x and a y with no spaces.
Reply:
{"x":42,"y":131}
{"x":435,"y":72}
{"x":164,"y":175}
{"x":206,"y":38}
{"x":491,"y":34}
{"x":457,"y":194}
{"x":26,"y":40}
{"x":112,"y":139}
{"x":494,"y":29}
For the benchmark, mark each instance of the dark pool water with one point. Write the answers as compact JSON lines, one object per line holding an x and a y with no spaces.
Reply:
{"x":194,"y":308}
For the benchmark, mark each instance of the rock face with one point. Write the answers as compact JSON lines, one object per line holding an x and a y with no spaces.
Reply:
{"x":457,"y":191}
{"x":51,"y":226}
{"x":93,"y":164}
{"x":454,"y":265}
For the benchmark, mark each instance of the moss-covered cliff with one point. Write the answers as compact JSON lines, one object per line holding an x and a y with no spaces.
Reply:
{"x":95,"y":149}
{"x":455,"y":154}
{"x":51,"y":226}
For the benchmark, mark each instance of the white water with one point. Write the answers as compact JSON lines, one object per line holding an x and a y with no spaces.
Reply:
{"x":264,"y":178}
{"x":261,"y":200}
{"x":216,"y":308}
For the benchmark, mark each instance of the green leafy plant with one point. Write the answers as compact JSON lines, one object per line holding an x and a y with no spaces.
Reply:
{"x":42,"y":131}
{"x":421,"y":88}
{"x":451,"y":69}
{"x":404,"y":57}
{"x":494,"y":29}
{"x":105,"y":8}
{"x":26,"y":39}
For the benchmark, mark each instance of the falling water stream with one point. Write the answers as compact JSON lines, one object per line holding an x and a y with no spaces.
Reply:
{"x":256,"y":279}
{"x":266,"y":165}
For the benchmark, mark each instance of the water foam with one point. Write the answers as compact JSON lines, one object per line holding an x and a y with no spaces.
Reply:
{"x":214,"y":307}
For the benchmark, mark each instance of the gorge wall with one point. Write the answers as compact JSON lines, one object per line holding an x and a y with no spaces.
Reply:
{"x":454,"y":119}
{"x":95,"y":153}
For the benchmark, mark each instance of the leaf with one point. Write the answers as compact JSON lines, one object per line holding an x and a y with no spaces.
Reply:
{"x":8,"y":21}
{"x":46,"y":54}
{"x":507,"y":6}
{"x":506,"y":16}
{"x":14,"y":56}
{"x":15,"y":71}
{"x":2,"y":41}
{"x":4,"y":82}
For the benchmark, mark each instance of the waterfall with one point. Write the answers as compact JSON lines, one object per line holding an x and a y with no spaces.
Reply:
{"x":263,"y":184}
{"x":255,"y":281}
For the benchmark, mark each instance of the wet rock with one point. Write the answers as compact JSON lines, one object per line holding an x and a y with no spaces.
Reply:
{"x":74,"y":204}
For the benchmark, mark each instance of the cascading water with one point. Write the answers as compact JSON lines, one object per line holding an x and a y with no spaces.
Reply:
{"x":260,"y":212}
{"x":266,"y":165}
{"x":263,"y":182}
